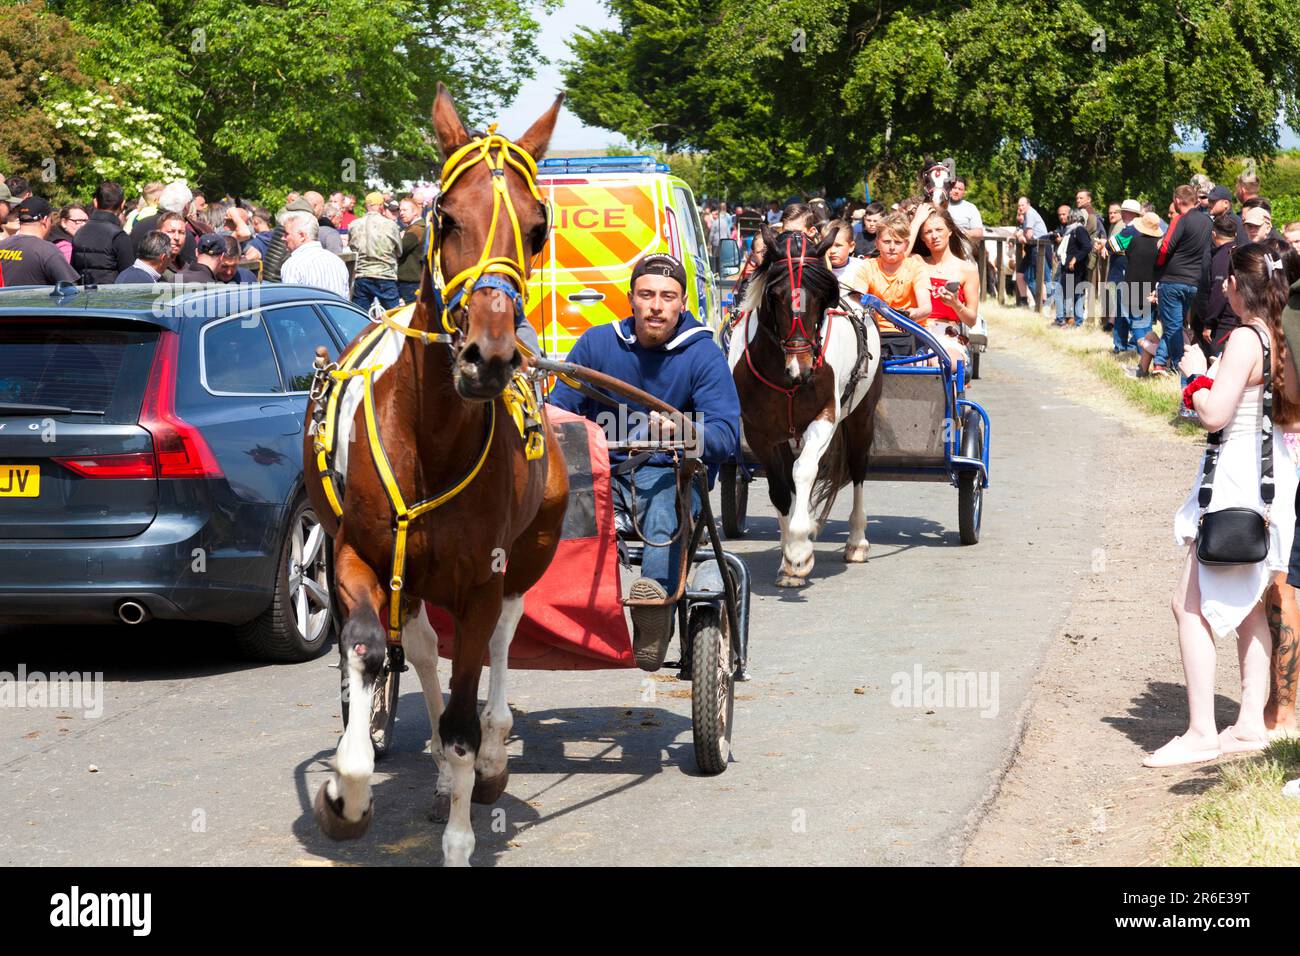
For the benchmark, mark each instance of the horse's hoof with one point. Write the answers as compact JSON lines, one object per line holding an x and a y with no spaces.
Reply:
{"x":856,"y":555}
{"x":489,"y":789}
{"x":791,"y":581}
{"x":441,"y":811}
{"x":330,"y":819}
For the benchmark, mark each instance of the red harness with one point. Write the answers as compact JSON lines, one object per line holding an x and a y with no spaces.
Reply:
{"x":797,"y":330}
{"x":789,"y":393}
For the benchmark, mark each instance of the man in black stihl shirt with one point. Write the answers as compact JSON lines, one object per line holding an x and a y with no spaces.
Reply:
{"x":27,"y":258}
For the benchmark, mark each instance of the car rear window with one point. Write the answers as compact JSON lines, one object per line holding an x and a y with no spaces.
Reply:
{"x":92,"y":367}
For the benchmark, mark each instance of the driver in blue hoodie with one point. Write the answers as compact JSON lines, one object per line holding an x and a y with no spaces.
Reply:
{"x":663,"y":350}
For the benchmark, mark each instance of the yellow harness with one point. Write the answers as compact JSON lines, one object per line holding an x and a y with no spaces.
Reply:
{"x":519,"y":398}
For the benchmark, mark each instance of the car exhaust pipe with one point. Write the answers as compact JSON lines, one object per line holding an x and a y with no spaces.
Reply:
{"x":132,"y":612}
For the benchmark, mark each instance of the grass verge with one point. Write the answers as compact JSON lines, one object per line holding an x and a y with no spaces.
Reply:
{"x":1089,"y":348}
{"x":1243,"y":820}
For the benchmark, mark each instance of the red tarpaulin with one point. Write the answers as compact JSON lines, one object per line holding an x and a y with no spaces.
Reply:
{"x":573,"y":617}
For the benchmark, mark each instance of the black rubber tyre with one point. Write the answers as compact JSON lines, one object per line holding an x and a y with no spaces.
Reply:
{"x":383,"y":710}
{"x":713,"y":689}
{"x":299,"y":623}
{"x":970,"y":489}
{"x":974,"y":364}
{"x":735,"y":501}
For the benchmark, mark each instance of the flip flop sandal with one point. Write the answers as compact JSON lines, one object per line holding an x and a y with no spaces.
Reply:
{"x":1230,"y":743}
{"x":1185,"y":757}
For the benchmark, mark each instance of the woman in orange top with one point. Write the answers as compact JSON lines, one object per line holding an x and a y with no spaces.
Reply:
{"x":896,"y":278}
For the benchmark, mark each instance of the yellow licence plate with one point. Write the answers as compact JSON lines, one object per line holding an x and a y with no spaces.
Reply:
{"x":20,"y":481}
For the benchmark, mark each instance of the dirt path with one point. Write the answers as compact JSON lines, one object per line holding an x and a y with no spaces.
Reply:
{"x":1111,"y":686}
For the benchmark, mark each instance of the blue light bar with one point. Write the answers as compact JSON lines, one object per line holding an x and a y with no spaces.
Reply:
{"x":601,"y":164}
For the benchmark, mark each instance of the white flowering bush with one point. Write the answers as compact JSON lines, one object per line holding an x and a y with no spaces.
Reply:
{"x":127,"y":142}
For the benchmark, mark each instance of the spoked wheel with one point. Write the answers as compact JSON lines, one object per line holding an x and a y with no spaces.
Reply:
{"x":735,"y":501}
{"x":713,"y":688}
{"x":383,"y":707}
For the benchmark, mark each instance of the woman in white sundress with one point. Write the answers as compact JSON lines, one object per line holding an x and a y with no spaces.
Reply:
{"x":1213,"y":600}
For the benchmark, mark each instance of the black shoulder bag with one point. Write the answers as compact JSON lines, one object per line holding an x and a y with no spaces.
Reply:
{"x":1238,"y":535}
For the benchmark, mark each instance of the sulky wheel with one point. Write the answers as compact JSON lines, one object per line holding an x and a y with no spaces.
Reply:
{"x":970,"y":488}
{"x":735,"y":501}
{"x":383,"y":710}
{"x":713,"y":688}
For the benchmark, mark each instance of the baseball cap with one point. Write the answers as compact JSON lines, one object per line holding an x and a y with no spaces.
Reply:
{"x":374,"y":199}
{"x":659,"y":264}
{"x":1219,"y":193}
{"x":32,"y":209}
{"x":212,"y":244}
{"x":1256,"y":216}
{"x":1131,"y":205}
{"x":5,"y":194}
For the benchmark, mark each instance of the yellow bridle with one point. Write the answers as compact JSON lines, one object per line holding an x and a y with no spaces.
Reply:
{"x":498,"y":153}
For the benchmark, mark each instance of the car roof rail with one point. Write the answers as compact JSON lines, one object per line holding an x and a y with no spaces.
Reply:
{"x":601,"y":164}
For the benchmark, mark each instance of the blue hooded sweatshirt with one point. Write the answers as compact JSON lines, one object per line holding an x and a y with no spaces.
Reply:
{"x":689,"y":372}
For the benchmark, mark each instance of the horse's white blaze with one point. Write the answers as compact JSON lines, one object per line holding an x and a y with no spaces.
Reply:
{"x":796,"y":543}
{"x":383,"y":355}
{"x":355,"y":760}
{"x":421,"y":643}
{"x":857,"y":546}
{"x":496,"y":719}
{"x":458,"y":836}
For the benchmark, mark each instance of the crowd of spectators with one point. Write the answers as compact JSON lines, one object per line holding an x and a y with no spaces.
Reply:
{"x":172,"y":233}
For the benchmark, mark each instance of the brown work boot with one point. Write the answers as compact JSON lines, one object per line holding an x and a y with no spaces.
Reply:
{"x":652,"y":627}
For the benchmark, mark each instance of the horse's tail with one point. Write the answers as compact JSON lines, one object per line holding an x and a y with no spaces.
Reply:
{"x":832,"y":475}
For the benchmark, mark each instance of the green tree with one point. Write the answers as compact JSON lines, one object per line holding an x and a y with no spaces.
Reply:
{"x":287,"y":94}
{"x":1031,"y":95}
{"x":38,"y":59}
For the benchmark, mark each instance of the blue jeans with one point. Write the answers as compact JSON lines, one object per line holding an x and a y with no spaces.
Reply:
{"x":1080,"y":302}
{"x":407,"y":291}
{"x":1122,"y":334}
{"x":655,"y":508}
{"x":364,"y":291}
{"x":1056,"y":292}
{"x":1031,"y":276}
{"x":1173,"y":299}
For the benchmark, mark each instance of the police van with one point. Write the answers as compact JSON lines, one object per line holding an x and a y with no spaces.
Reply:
{"x":609,"y":211}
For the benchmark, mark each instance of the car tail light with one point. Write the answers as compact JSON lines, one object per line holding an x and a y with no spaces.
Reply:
{"x":180,"y":448}
{"x":140,"y":465}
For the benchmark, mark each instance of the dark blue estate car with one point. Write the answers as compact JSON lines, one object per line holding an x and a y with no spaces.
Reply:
{"x":151,"y":457}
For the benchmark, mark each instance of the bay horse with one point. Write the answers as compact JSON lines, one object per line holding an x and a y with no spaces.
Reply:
{"x":424,"y":418}
{"x":807,"y":375}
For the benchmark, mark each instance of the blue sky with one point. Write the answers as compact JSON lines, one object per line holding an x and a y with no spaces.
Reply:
{"x":537,"y":94}
{"x":570,"y":132}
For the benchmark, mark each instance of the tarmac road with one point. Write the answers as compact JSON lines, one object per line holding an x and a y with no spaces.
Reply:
{"x":203,"y":760}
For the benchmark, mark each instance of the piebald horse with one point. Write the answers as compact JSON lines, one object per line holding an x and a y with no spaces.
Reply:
{"x":809,"y":382}
{"x":463,"y":511}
